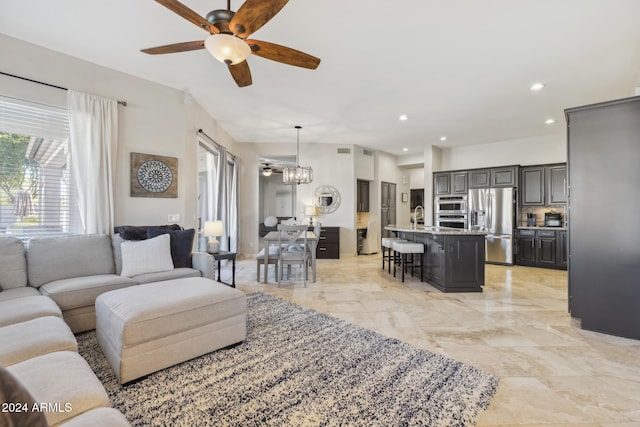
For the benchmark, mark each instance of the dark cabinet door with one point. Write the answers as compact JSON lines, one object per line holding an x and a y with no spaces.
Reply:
{"x":459,"y":183}
{"x":526,"y":250}
{"x":442,"y":184}
{"x":463,"y":260}
{"x":546,"y":251}
{"x":504,"y":177}
{"x":480,"y":178}
{"x":557,"y":189}
{"x":363,"y":196}
{"x":388,"y":207}
{"x":532,"y":186}
{"x":562,"y":250}
{"x":417,"y":197}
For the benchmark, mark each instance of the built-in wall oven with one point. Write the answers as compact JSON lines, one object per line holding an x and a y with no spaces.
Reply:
{"x":450,"y":205}
{"x":451,"y":220}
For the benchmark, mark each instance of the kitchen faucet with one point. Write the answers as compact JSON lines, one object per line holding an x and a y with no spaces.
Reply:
{"x":415,"y":216}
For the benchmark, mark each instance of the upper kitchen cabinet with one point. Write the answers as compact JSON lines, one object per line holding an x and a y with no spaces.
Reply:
{"x":543,"y":185}
{"x":480,"y":178}
{"x":363,"y":195}
{"x":417,"y":197}
{"x":495,"y":177}
{"x":504,"y":177}
{"x":447,"y":183}
{"x":557,"y":186}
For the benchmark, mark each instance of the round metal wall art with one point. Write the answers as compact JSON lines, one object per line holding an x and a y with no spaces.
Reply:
{"x":327,"y":199}
{"x":154,"y":176}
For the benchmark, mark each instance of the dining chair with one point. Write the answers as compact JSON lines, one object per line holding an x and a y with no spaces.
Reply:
{"x":370,"y":243}
{"x":292,"y":241}
{"x":274,"y":252}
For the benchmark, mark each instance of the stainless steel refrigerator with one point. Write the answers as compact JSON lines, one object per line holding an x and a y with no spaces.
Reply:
{"x":492,"y":210}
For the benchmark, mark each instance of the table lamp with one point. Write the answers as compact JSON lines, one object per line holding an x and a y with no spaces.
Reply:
{"x":213,"y":229}
{"x":311,"y":211}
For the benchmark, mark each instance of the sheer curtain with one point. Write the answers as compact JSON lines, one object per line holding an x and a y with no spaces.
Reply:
{"x":93,"y":129}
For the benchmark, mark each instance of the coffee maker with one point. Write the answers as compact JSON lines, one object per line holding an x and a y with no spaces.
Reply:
{"x":531,"y":220}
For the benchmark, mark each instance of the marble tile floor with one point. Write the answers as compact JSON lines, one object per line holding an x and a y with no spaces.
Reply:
{"x":552,"y":373}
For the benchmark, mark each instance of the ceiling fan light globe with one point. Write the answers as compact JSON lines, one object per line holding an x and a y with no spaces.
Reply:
{"x":227,"y":48}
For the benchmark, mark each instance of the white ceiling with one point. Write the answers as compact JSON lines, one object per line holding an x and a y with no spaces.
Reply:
{"x":460,"y":68}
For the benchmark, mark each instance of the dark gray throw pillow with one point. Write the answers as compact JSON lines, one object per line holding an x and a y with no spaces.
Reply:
{"x":139,"y":232}
{"x":181,"y":244}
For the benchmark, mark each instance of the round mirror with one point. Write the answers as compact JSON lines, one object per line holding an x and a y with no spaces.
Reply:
{"x":327,"y":199}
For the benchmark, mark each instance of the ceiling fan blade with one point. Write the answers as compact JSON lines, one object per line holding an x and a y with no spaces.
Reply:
{"x":176,"y":47}
{"x":241,"y":74}
{"x":253,"y":14}
{"x":283,"y":54}
{"x":188,"y":14}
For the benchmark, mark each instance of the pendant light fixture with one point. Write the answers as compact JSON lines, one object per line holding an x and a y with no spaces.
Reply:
{"x":298,"y":174}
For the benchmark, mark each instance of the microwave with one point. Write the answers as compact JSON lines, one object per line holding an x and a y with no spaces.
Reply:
{"x":450,"y":205}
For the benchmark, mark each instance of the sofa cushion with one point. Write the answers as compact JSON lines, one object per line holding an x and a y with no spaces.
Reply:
{"x":26,"y":340}
{"x":98,"y":417}
{"x":176,"y":273}
{"x":62,"y":377}
{"x":27,"y":308}
{"x":55,"y":258}
{"x":13,"y":293}
{"x":13,"y":391}
{"x":13,"y":264}
{"x":146,"y":256}
{"x":181,"y":244}
{"x":82,"y":291}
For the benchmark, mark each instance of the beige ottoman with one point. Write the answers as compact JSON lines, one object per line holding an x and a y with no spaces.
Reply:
{"x":143,"y":329}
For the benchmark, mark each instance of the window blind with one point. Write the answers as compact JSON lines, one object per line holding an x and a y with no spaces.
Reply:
{"x":36,"y":186}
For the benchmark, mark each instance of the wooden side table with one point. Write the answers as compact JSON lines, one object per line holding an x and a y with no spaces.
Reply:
{"x":219,"y":256}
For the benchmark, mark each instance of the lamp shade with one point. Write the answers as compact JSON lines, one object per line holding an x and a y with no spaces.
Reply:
{"x":213,"y":229}
{"x":311,"y":211}
{"x":227,"y":48}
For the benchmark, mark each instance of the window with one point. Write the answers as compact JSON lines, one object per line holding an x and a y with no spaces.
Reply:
{"x":36,"y":186}
{"x":217,"y":194}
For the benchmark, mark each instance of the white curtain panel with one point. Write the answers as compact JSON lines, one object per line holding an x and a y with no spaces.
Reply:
{"x":93,"y":128}
{"x":221,"y":190}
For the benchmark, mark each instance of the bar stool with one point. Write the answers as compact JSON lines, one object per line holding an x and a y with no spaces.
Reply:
{"x":387,"y":243}
{"x":405,"y":249}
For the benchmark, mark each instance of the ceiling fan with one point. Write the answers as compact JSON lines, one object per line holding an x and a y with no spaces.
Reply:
{"x":228,"y":42}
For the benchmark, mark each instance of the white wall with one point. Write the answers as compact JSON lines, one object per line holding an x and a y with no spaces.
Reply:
{"x":416,"y":177}
{"x":155,"y":121}
{"x":525,"y":151}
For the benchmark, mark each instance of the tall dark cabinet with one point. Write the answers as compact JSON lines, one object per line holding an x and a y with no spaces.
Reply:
{"x":388,"y":207}
{"x":604,"y":205}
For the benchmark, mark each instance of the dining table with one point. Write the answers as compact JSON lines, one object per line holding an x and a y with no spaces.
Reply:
{"x":274,"y":236}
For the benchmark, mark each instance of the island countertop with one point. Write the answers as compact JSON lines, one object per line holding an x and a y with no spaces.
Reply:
{"x":430,"y":229}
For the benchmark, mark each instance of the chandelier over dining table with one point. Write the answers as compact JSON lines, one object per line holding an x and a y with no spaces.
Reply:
{"x":298,"y":174}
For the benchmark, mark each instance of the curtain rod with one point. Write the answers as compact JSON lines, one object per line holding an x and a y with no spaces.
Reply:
{"x":214,"y":141}
{"x":123,"y":103}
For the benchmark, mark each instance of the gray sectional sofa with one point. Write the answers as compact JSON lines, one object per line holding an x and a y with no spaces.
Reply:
{"x":48,"y":288}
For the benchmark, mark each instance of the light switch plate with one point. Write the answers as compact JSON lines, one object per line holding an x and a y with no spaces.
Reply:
{"x":174,"y":218}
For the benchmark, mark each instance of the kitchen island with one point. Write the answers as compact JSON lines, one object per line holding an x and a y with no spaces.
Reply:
{"x":453,"y":259}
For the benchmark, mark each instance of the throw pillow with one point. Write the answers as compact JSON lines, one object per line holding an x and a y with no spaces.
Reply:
{"x":271,"y":221}
{"x":146,"y":256}
{"x":181,"y":244}
{"x":139,"y":232}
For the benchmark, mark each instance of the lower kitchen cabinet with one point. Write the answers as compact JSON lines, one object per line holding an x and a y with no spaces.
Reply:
{"x":542,"y":248}
{"x":329,"y":243}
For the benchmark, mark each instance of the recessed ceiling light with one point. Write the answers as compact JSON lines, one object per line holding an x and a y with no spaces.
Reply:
{"x":405,"y":149}
{"x":443,"y":138}
{"x":536,"y":87}
{"x":403,"y":117}
{"x":550,"y":121}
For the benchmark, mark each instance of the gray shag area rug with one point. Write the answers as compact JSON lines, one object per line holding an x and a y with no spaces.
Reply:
{"x":299,"y":367}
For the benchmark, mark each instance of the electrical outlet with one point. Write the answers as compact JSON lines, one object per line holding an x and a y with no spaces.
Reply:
{"x":173,"y":218}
